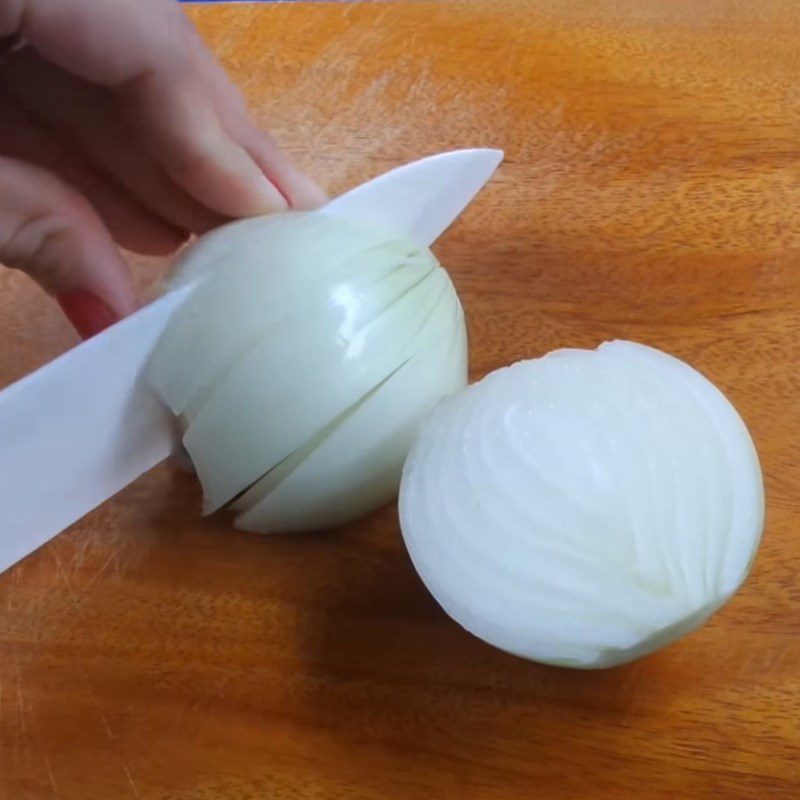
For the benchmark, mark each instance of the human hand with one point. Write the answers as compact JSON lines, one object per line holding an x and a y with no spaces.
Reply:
{"x":118,"y":126}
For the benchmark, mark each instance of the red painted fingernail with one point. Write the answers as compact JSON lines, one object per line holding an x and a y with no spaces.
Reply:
{"x":88,"y":314}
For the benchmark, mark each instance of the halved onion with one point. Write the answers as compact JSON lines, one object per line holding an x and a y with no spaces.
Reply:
{"x":584,"y":508}
{"x":303,"y":363}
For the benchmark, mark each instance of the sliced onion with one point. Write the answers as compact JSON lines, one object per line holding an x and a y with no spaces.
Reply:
{"x":584,"y":508}
{"x":357,"y":465}
{"x":302,"y":364}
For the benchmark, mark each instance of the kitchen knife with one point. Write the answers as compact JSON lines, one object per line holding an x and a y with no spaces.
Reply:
{"x":76,"y":431}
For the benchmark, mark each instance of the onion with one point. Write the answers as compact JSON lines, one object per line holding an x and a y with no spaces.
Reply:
{"x":302,"y":364}
{"x":585,"y":508}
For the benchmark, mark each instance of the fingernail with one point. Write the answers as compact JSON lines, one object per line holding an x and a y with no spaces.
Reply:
{"x":88,"y":314}
{"x":261,"y":196}
{"x":266,"y":196}
{"x":306,"y":193}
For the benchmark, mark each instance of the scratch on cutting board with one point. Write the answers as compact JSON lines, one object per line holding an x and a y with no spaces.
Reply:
{"x":113,"y":558}
{"x":96,"y":542}
{"x":74,"y":597}
{"x":21,"y":704}
{"x":53,"y":783}
{"x":111,"y":735}
{"x":17,"y":578}
{"x":348,"y":7}
{"x":131,"y":782}
{"x":90,"y":688}
{"x":93,"y":694}
{"x":96,"y":700}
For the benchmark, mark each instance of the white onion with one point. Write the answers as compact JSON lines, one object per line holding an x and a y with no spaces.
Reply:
{"x":302,"y":364}
{"x":584,"y":508}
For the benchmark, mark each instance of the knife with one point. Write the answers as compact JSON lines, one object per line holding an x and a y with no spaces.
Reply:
{"x":77,"y":431}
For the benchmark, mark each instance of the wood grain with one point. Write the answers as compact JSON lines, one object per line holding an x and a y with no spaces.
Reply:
{"x":651,"y":192}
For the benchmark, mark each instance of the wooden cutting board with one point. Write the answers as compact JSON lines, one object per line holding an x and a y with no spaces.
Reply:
{"x":651,"y":191}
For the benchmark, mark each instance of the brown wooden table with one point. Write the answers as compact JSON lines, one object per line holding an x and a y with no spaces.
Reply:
{"x":651,"y":191}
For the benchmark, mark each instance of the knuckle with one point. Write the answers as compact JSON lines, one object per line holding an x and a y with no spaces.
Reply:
{"x":19,"y":238}
{"x":44,"y":222}
{"x":44,"y":244}
{"x":29,"y":245}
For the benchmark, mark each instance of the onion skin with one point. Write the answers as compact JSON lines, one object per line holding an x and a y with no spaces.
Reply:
{"x":302,"y":364}
{"x":586,"y":508}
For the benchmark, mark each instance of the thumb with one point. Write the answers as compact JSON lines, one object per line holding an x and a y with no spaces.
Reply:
{"x":53,"y":233}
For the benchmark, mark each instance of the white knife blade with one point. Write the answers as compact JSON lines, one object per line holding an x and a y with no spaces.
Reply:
{"x":423,"y":198}
{"x":75,"y":432}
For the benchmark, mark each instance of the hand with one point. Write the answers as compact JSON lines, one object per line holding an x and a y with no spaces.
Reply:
{"x":117,"y":125}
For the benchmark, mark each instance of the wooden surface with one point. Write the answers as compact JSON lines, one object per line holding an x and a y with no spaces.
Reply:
{"x":651,"y":192}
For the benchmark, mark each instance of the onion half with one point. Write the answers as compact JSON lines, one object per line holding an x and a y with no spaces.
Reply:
{"x":585,"y":508}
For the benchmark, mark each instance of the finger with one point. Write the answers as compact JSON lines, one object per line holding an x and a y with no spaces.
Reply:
{"x":142,"y":51}
{"x":51,"y":232}
{"x":300,"y":191}
{"x":181,"y":129}
{"x":86,"y":116}
{"x":130,"y":224}
{"x":297,"y":187}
